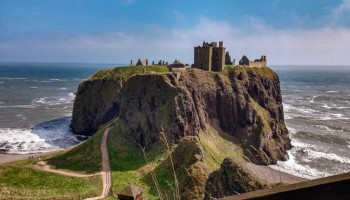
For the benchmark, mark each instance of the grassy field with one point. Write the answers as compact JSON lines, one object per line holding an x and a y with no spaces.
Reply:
{"x":126,"y":72}
{"x":22,"y":181}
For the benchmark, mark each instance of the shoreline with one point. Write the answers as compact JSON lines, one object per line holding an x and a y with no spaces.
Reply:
{"x":271,"y":175}
{"x":6,"y":157}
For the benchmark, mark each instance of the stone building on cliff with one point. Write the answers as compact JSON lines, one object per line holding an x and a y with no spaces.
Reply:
{"x":256,"y":63}
{"x":210,"y":57}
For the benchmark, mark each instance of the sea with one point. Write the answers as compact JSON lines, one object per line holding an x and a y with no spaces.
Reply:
{"x":316,"y":102}
{"x":36,"y":102}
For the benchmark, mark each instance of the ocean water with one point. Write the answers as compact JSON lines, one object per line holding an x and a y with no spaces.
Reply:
{"x":316,"y":105}
{"x":36,"y":102}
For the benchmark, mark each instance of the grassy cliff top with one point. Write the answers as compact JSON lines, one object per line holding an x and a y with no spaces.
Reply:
{"x":265,"y":71}
{"x":126,"y":72}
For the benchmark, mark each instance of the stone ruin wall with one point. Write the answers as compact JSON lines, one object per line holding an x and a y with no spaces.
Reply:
{"x":257,"y":63}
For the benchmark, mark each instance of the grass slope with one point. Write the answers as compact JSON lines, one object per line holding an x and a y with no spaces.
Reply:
{"x":128,"y":163}
{"x":218,"y":146}
{"x":19,"y":180}
{"x":129,"y":166}
{"x":85,"y":157}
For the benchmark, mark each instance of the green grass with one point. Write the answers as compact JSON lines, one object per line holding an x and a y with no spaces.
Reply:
{"x":126,"y":72}
{"x":129,"y":166}
{"x":128,"y":163}
{"x":85,"y":157}
{"x":218,"y":146}
{"x":20,"y":181}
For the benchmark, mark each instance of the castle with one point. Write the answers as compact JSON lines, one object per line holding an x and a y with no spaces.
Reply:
{"x":211,"y":57}
{"x":256,"y":63}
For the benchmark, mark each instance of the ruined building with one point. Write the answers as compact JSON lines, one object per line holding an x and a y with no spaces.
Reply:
{"x":256,"y":63}
{"x":210,"y":57}
{"x":228,"y":59}
{"x":142,"y":62}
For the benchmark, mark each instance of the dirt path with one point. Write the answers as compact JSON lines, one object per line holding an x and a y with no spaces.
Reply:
{"x":105,"y":173}
{"x":42,"y":165}
{"x":5,"y":158}
{"x":106,"y":169}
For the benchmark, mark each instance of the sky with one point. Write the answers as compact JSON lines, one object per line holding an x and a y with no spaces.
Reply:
{"x":288,"y":32}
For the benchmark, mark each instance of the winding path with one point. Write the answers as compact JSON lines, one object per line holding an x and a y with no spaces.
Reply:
{"x":105,"y":173}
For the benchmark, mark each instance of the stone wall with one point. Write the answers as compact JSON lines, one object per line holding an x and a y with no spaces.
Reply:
{"x":218,"y":59}
{"x":257,"y":63}
{"x":209,"y":57}
{"x":202,"y":58}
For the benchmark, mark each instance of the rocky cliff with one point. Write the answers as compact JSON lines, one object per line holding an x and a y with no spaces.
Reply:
{"x":244,"y":102}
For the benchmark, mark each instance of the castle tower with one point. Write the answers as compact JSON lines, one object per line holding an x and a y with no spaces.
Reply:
{"x":209,"y":57}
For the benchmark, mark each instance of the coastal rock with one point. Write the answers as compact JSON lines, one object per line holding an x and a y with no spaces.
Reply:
{"x":244,"y":102}
{"x":231,"y":179}
{"x":97,"y":101}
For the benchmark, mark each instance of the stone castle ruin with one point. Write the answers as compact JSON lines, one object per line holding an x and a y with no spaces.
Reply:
{"x":210,"y":57}
{"x":256,"y":63}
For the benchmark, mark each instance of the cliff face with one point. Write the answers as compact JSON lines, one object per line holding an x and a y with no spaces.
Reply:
{"x":244,"y":102}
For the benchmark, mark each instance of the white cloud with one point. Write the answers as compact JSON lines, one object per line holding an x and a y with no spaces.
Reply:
{"x":321,"y":46}
{"x":340,"y":14}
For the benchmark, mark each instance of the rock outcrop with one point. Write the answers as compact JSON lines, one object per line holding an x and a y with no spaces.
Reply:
{"x":231,"y":179}
{"x":246,"y":102}
{"x":190,"y":168}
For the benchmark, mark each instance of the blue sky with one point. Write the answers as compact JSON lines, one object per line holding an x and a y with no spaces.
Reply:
{"x":312,"y":32}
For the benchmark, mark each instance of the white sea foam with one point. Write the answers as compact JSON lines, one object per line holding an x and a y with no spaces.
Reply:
{"x":291,"y":166}
{"x":53,"y":101}
{"x":332,"y":91}
{"x":62,"y":88}
{"x":323,"y":127}
{"x":334,"y":106}
{"x":44,"y":137}
{"x":18,"y":106}
{"x":287,"y":107}
{"x":1,"y":82}
{"x":326,"y":106}
{"x":329,"y":156}
{"x":34,"y":87}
